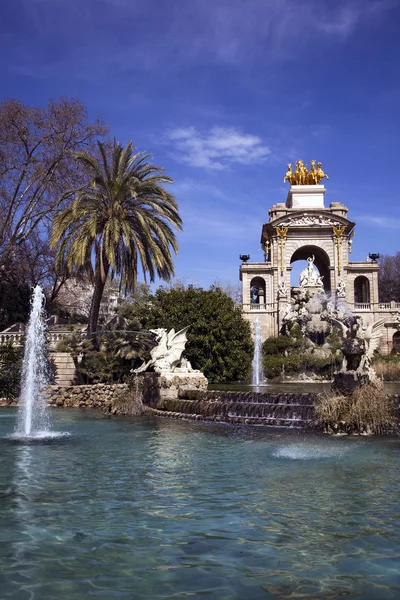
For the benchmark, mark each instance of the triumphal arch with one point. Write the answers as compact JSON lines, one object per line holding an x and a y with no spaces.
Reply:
{"x":306,"y":228}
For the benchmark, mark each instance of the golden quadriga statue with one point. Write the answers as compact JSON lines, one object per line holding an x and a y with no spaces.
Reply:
{"x":303,"y":176}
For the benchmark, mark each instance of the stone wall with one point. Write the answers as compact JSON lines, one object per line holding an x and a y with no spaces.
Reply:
{"x":115,"y":399}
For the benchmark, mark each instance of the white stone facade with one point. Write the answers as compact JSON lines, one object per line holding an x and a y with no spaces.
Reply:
{"x":303,"y":227}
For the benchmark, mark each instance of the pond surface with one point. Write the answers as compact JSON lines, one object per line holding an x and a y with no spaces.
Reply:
{"x":150,"y":508}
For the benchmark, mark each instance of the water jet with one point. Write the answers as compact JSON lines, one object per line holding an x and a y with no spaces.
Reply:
{"x":33,"y":419}
{"x":257,"y":364}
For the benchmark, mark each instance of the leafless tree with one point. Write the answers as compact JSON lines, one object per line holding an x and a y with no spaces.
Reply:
{"x":389,"y":278}
{"x":37,"y":146}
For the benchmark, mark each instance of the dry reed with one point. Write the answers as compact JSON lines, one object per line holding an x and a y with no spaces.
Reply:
{"x":388,"y":370}
{"x":368,"y":410}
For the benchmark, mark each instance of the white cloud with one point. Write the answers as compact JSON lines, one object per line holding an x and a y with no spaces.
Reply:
{"x":218,"y":148}
{"x":386,"y":222}
{"x":186,"y":31}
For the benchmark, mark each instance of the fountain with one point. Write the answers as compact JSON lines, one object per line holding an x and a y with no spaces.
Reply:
{"x":33,"y":420}
{"x":257,"y":364}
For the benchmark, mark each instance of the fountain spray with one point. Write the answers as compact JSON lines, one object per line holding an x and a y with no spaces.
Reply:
{"x":257,"y":364}
{"x":32,"y":416}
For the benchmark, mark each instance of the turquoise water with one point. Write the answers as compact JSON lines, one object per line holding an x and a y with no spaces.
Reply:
{"x":149,"y":509}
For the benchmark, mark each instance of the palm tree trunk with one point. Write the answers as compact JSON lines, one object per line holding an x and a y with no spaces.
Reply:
{"x":99,"y":283}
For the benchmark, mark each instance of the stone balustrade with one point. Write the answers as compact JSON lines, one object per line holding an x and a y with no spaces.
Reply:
{"x":269,"y":307}
{"x":17,"y":337}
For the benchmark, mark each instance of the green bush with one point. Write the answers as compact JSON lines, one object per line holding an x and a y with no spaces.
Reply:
{"x":280,"y":344}
{"x":10,"y":370}
{"x":284,"y":354}
{"x":107,"y":359}
{"x":219,"y":338}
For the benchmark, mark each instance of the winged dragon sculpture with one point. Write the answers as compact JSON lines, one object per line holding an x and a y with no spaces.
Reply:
{"x":167,"y":355}
{"x":359,"y":344}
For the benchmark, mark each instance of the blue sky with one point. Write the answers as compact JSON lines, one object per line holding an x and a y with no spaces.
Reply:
{"x":224,"y":93}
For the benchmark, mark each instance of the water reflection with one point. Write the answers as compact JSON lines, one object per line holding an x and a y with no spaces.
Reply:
{"x":25,"y":486}
{"x":153,"y":509}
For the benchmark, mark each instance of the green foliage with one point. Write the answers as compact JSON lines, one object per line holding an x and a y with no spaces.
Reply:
{"x":77,"y":319}
{"x":10,"y":370}
{"x":288,"y":355}
{"x":109,"y":358}
{"x":219,"y":339}
{"x":280,"y":344}
{"x":295,"y":330}
{"x":334,"y":340}
{"x":122,"y":216}
{"x":300,"y":362}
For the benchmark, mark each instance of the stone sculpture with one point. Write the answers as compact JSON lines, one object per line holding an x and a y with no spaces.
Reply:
{"x":359,"y":342}
{"x":341,"y":289}
{"x":166,"y":357}
{"x":306,"y":220}
{"x":282,"y":289}
{"x":309,"y":277}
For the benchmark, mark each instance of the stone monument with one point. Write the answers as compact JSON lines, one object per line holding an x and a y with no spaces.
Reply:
{"x":168,"y":371}
{"x":359,"y":342}
{"x":310,"y":277}
{"x":304,"y":227}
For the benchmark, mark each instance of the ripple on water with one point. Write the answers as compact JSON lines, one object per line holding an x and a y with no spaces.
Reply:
{"x":311,"y":451}
{"x":38,"y":436}
{"x":156,"y":509}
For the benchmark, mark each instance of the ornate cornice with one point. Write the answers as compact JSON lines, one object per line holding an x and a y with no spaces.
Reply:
{"x":308,"y":219}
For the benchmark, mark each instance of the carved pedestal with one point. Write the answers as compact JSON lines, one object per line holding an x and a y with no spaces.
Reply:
{"x":346,"y":382}
{"x":158,"y":386}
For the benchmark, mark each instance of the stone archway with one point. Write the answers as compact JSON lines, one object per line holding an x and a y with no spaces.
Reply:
{"x":362,"y":294}
{"x":322,"y":261}
{"x":257,"y":291}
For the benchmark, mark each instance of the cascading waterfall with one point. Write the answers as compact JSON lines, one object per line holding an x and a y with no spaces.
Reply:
{"x":33,"y":420}
{"x":257,"y":364}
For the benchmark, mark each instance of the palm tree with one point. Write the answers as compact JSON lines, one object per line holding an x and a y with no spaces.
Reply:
{"x":123,"y":215}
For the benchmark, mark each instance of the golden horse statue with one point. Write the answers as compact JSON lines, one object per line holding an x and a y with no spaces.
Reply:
{"x":303,"y":176}
{"x":289,"y":174}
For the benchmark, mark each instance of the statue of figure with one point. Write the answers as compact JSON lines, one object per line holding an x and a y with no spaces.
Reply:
{"x":341,"y":289}
{"x":300,"y":172}
{"x":266,"y":249}
{"x":304,"y":174}
{"x":253,"y":294}
{"x":371,"y":335}
{"x":287,"y":314}
{"x":282,"y":290}
{"x":166,"y":356}
{"x":312,"y":175}
{"x":309,"y":277}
